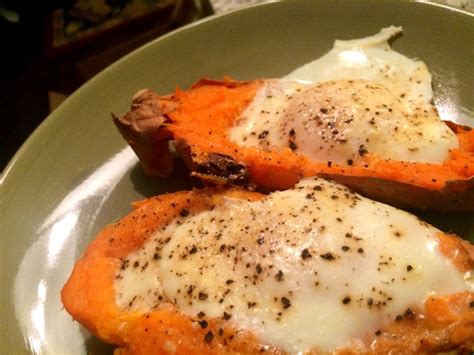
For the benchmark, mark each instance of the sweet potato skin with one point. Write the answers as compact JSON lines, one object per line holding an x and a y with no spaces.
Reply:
{"x":445,"y":322}
{"x":199,"y":121}
{"x":455,"y":196}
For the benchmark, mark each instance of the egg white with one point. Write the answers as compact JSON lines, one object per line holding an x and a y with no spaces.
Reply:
{"x":371,"y":58}
{"x":361,"y":97}
{"x":313,"y":267}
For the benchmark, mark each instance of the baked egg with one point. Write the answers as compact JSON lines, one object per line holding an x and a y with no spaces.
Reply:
{"x":315,"y":267}
{"x":360,"y":98}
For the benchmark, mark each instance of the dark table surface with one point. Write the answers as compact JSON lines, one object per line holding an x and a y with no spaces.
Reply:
{"x":30,"y":76}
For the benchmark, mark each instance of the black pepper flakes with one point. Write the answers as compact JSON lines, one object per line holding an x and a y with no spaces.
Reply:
{"x":409,"y":268}
{"x":193,"y":250}
{"x":285,"y":302}
{"x":184,"y":212}
{"x":124,"y":264}
{"x":409,"y":313}
{"x":327,"y":256}
{"x":345,"y":248}
{"x":279,"y":275}
{"x":471,"y":304}
{"x":202,"y":296}
{"x":362,"y":150}
{"x":263,"y":134}
{"x":226,"y":316}
{"x":305,"y":254}
{"x":346,"y":300}
{"x":378,"y":332}
{"x":208,"y":337}
{"x":203,"y":323}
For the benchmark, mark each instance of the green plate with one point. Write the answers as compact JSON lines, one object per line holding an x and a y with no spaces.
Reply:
{"x":75,"y":174}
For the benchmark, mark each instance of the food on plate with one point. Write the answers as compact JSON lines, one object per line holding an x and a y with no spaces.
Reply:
{"x":371,"y":58}
{"x":362,"y":116}
{"x":370,"y":141}
{"x":342,"y":121}
{"x":314,"y":268}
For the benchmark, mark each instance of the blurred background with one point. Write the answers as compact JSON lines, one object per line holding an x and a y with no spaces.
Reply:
{"x":52,"y":47}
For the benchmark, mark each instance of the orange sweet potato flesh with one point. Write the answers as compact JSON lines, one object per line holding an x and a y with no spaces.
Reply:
{"x":443,"y":323}
{"x":198,"y":120}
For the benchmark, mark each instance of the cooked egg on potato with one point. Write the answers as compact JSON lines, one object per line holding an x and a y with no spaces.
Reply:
{"x":378,"y":135}
{"x":313,"y":268}
{"x":363,"y":98}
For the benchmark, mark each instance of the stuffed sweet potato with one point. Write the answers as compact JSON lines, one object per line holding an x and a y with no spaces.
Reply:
{"x":199,"y":122}
{"x":298,"y":271}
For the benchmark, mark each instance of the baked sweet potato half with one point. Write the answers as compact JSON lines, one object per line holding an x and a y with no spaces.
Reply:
{"x":199,"y":120}
{"x":299,"y":271}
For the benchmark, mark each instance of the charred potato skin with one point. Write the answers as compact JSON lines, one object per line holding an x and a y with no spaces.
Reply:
{"x":144,"y":129}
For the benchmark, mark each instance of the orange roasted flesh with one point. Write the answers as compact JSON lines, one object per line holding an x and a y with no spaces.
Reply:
{"x":198,"y":121}
{"x":444,"y":323}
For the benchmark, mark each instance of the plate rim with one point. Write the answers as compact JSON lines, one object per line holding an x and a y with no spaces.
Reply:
{"x":36,"y":138}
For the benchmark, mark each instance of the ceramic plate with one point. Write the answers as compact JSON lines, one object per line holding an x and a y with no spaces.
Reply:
{"x":75,"y":174}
